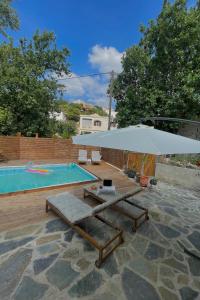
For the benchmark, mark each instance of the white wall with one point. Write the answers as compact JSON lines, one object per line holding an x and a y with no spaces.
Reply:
{"x":93,"y":128}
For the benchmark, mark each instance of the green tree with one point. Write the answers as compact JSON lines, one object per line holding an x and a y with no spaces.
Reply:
{"x":129,"y":87}
{"x":95,"y":110}
{"x":8,"y":17}
{"x":73,"y":111}
{"x":169,"y":84}
{"x":6,"y":121}
{"x":66,"y":129}
{"x":28,"y":85}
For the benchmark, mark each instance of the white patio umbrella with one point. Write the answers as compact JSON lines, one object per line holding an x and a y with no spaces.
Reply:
{"x":141,"y":139}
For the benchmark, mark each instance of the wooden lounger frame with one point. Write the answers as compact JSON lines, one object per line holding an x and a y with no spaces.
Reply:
{"x":103,"y":249}
{"x":136,"y":220}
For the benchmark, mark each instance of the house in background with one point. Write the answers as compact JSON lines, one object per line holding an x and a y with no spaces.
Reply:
{"x":113,"y":113}
{"x":93,"y":123}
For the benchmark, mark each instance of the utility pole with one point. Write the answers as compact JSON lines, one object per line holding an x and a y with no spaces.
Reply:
{"x":110,"y":98}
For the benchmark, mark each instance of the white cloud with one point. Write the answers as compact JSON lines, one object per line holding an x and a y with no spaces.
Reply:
{"x":106,"y":59}
{"x":73,"y":86}
{"x":90,"y":89}
{"x":94,"y":89}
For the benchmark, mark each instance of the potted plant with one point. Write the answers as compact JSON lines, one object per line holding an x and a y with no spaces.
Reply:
{"x":131,"y":173}
{"x":153,"y":181}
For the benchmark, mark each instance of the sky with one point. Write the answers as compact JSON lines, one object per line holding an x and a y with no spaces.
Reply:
{"x":96,"y":32}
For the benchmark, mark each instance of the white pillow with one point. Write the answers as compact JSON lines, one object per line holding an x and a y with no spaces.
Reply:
{"x":107,"y":190}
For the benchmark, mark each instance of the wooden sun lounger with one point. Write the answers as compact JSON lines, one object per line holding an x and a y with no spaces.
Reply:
{"x":72,"y":211}
{"x":95,"y":157}
{"x":82,"y":157}
{"x":138,"y":214}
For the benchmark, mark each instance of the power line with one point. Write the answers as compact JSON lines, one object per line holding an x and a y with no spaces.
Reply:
{"x":83,"y":76}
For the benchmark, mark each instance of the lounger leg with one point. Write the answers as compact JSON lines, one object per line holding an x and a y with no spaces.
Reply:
{"x":134,"y":226}
{"x":103,"y":257}
{"x":100,"y":260}
{"x":47,"y":207}
{"x":121,"y":239}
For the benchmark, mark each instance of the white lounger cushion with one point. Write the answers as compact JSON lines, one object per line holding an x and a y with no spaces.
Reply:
{"x":74,"y":209}
{"x":82,"y":155}
{"x":71,"y":207}
{"x":96,"y":156}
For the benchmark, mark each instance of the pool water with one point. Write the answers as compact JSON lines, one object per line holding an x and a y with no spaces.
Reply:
{"x":14,"y":179}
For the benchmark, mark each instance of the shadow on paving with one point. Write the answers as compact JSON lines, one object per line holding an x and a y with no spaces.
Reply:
{"x":50,"y":261}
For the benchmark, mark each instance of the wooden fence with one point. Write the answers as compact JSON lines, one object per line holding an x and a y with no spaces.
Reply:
{"x":135,"y":161}
{"x":17,"y":147}
{"x":130,"y":160}
{"x":114,"y":157}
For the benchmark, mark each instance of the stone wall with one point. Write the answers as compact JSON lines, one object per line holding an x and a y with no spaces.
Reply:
{"x":39,"y":148}
{"x":191,"y":131}
{"x":188,"y":178}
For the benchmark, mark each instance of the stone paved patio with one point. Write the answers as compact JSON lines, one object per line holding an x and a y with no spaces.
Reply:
{"x":49,"y":261}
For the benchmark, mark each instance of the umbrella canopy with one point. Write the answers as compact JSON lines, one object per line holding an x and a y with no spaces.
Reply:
{"x":142,"y":139}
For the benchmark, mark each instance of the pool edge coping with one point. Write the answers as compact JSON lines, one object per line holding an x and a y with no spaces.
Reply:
{"x":51,"y":187}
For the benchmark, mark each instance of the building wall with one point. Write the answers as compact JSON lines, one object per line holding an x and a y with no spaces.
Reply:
{"x":40,"y":148}
{"x":93,"y":128}
{"x":191,"y":131}
{"x":113,"y":113}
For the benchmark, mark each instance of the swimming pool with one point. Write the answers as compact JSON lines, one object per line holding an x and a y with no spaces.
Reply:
{"x":16,"y":179}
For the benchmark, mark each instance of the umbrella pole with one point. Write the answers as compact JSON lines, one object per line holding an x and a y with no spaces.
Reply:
{"x":144,"y":179}
{"x":125,"y":160}
{"x":143,"y":163}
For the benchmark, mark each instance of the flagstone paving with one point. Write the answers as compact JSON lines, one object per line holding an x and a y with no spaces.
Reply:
{"x":49,"y":261}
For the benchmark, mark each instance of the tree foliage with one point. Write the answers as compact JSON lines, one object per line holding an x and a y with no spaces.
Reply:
{"x":73,"y":111}
{"x":94,"y":110}
{"x":28,"y":85}
{"x":66,"y":129}
{"x":161,"y":75}
{"x":6,"y":121}
{"x":8,"y":17}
